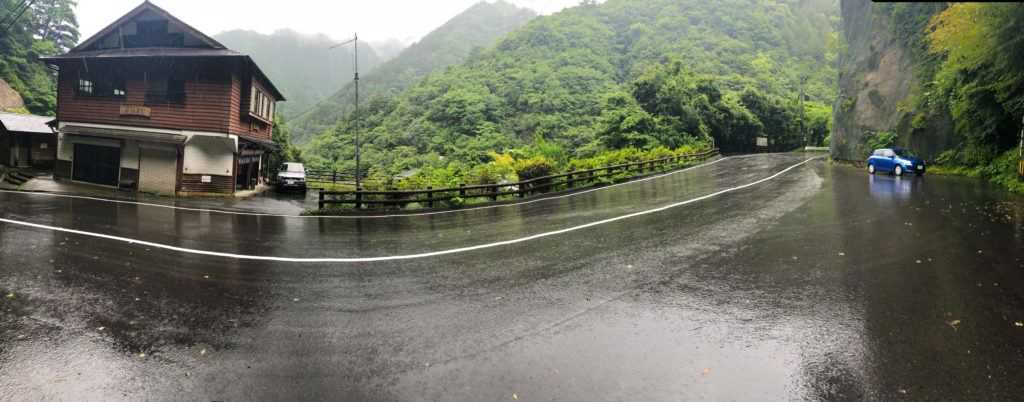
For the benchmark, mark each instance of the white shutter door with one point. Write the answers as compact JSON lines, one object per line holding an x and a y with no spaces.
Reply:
{"x":158,"y":170}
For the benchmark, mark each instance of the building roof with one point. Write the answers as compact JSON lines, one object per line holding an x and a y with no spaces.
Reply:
{"x":26,"y":123}
{"x":208,"y":48}
{"x":147,"y":6}
{"x":145,"y":52}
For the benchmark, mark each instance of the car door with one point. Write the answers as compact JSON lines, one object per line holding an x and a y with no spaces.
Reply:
{"x":888,"y":160}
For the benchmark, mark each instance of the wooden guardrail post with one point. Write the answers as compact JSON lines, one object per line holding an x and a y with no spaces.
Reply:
{"x":430,"y":196}
{"x":568,"y":180}
{"x":359,"y":197}
{"x":321,"y":202}
{"x":493,"y":189}
{"x":334,"y":176}
{"x":462,"y":190}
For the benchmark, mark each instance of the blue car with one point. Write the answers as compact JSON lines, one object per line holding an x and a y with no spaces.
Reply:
{"x":895,"y":160}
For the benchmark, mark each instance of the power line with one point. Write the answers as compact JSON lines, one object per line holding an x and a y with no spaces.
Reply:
{"x":16,"y":18}
{"x":13,"y":12}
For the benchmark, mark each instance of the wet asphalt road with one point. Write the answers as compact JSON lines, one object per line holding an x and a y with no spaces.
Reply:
{"x":823,"y":283}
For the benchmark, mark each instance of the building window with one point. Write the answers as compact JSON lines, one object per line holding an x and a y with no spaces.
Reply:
{"x":260,"y":105}
{"x":165,"y":88}
{"x":85,"y":87}
{"x":100,"y":86}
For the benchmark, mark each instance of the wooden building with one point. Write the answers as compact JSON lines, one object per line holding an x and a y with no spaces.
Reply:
{"x":27,"y":141}
{"x":152,"y":104}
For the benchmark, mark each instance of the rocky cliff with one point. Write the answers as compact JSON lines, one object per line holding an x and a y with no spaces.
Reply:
{"x":9,"y":98}
{"x":879,"y":75}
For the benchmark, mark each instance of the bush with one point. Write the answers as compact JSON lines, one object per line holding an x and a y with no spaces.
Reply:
{"x":534,"y":167}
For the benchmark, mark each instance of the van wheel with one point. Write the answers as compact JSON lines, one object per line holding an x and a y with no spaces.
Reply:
{"x":871,"y":169}
{"x":898,"y":170}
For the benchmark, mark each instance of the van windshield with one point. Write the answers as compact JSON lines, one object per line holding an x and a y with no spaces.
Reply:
{"x":292,"y":167}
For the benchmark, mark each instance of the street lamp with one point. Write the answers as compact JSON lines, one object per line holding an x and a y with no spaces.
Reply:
{"x":355,"y":43}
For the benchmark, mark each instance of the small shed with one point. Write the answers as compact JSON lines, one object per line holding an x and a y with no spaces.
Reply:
{"x":27,"y":141}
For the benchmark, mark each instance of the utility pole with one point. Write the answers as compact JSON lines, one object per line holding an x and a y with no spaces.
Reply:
{"x":355,"y":43}
{"x":1020,"y":155}
{"x":803,"y":80}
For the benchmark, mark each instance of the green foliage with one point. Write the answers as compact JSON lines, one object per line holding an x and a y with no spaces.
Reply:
{"x":537,"y":166}
{"x":450,"y":44}
{"x":595,"y":78}
{"x":49,"y":27}
{"x":282,"y":138}
{"x":878,"y":139}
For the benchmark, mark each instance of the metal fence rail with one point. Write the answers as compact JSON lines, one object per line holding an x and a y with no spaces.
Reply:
{"x":431,"y":196}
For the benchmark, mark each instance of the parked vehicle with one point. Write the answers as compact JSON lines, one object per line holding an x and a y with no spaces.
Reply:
{"x":895,"y":160}
{"x":292,"y":177}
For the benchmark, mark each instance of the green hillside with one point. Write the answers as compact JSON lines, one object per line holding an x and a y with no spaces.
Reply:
{"x":479,"y":26}
{"x":300,"y":65}
{"x":44,"y":28}
{"x":597,"y":77}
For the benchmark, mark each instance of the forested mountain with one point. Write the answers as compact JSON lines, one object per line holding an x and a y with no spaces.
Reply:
{"x":300,"y":65}
{"x":944,"y":79}
{"x":35,"y":29}
{"x":597,"y":77}
{"x":479,"y":26}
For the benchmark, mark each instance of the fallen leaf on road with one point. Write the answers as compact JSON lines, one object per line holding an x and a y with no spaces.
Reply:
{"x":842,"y":254}
{"x":142,"y":354}
{"x":101,"y":328}
{"x":295,"y":300}
{"x":706,"y":372}
{"x":10,"y":295}
{"x":1019,"y":324}
{"x":202,"y":352}
{"x":903,"y":391}
{"x":499,"y":297}
{"x":514,"y":396}
{"x":954,"y":323}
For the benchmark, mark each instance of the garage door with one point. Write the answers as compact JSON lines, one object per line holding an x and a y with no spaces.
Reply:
{"x":96,"y":164}
{"x":158,"y":170}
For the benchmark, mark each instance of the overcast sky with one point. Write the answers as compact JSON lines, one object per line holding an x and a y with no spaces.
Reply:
{"x":374,"y":20}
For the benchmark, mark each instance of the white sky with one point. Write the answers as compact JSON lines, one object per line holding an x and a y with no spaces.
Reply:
{"x":374,"y":20}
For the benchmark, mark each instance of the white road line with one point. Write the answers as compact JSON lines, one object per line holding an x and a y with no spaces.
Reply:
{"x":407,"y":256}
{"x":219,"y":211}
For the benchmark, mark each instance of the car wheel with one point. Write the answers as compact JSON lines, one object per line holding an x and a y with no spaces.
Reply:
{"x":871,"y":169}
{"x":898,"y":170}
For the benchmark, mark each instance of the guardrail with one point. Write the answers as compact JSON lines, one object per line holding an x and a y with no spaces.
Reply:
{"x":431,"y":196}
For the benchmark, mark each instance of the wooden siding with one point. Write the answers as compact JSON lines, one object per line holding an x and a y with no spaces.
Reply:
{"x":44,"y":157}
{"x":208,"y":92}
{"x":63,"y":170}
{"x":241,"y":93}
{"x":193,"y":183}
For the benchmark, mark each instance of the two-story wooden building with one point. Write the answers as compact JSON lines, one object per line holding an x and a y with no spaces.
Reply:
{"x":152,"y":104}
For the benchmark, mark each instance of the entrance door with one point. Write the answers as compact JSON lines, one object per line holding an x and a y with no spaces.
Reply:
{"x":96,"y":164}
{"x":158,"y":170}
{"x":24,"y":147}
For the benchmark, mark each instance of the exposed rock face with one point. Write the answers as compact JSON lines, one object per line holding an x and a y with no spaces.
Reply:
{"x":9,"y":98}
{"x":877,"y":75}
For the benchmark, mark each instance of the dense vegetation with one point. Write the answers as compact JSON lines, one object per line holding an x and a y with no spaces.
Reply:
{"x":479,"y":26}
{"x":972,"y":57}
{"x":301,"y":66}
{"x":45,"y":28}
{"x":596,"y":78}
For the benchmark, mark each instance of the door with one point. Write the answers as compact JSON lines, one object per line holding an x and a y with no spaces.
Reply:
{"x":158,"y":170}
{"x":96,"y":164}
{"x":889,"y":160}
{"x":24,"y":147}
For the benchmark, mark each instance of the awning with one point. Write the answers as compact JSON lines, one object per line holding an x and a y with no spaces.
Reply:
{"x":126,"y":134}
{"x":266,"y":144}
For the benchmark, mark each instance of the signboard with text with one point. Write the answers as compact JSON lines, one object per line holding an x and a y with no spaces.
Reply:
{"x":141,"y":111}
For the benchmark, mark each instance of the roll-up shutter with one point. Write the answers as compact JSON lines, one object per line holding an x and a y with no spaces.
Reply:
{"x":158,"y":170}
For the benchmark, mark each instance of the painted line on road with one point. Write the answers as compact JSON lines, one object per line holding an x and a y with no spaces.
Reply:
{"x":220,"y":211}
{"x":407,"y":256}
